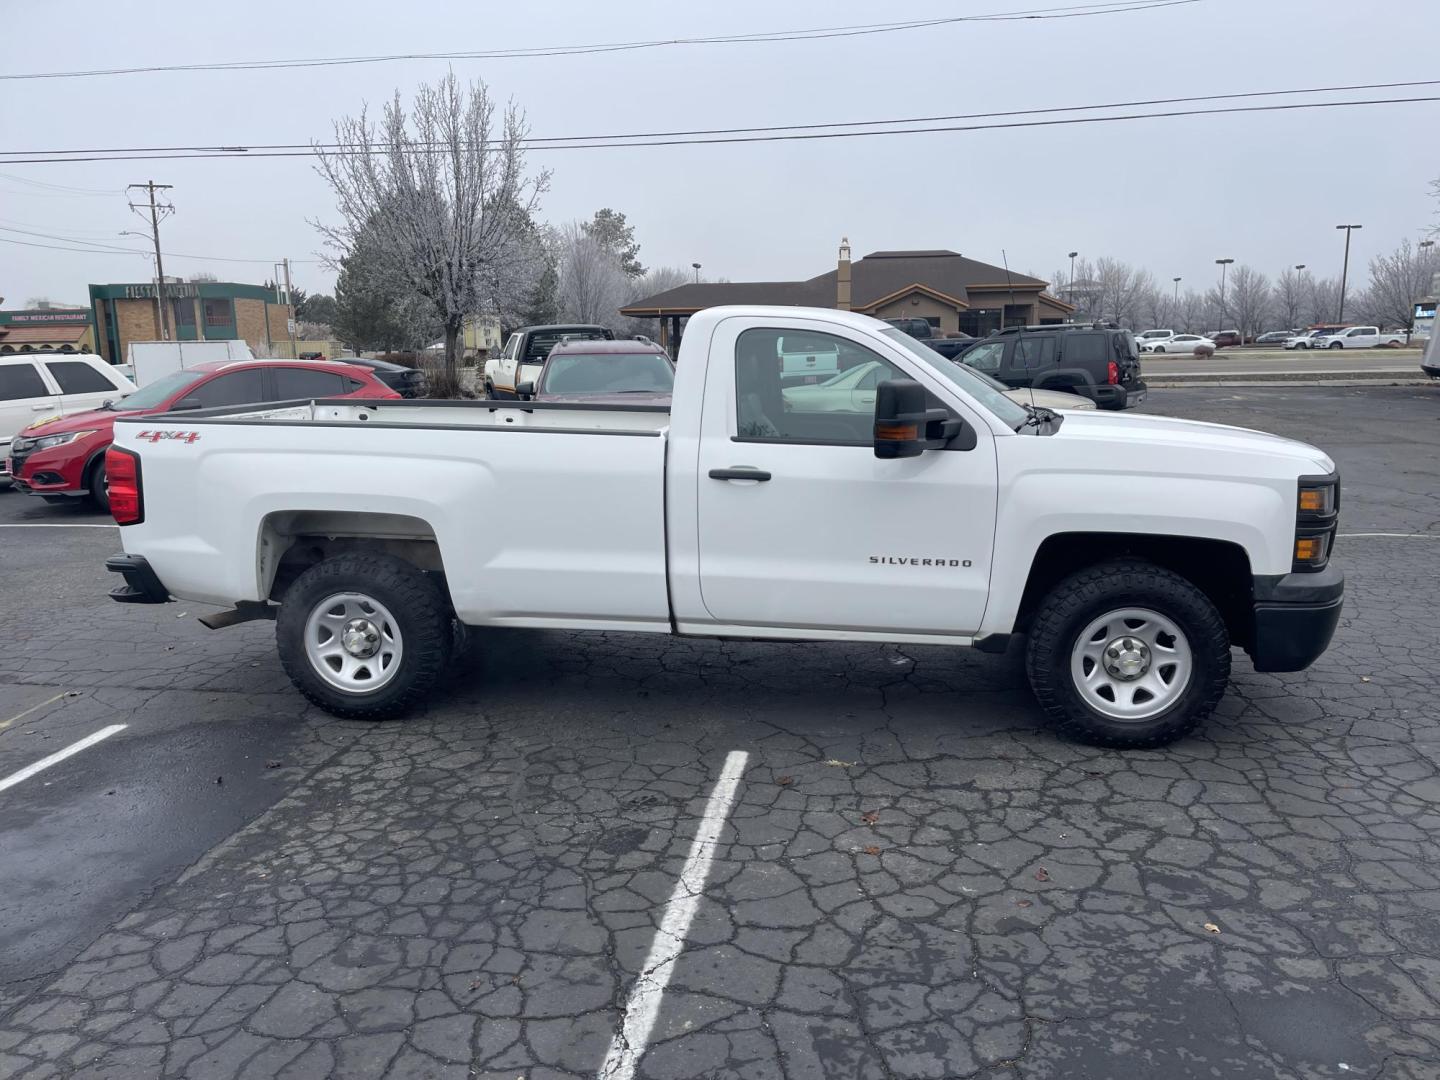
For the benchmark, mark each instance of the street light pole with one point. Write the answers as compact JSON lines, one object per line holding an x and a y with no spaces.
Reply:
{"x":1072,"y":275}
{"x":697,"y":272}
{"x":1177,"y":289}
{"x":1222,"y":263}
{"x":1345,"y":269}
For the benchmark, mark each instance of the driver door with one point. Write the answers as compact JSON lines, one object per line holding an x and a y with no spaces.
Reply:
{"x":802,"y":527}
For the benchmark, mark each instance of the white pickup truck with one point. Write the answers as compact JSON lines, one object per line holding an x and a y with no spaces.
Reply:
{"x":1360,"y":337}
{"x":1131,"y":551}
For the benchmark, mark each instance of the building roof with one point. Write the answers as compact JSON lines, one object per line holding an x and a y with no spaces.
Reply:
{"x":881,"y":275}
{"x":63,"y":333}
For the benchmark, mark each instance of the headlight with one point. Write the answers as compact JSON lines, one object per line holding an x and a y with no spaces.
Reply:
{"x":1317,"y":506}
{"x":45,"y":442}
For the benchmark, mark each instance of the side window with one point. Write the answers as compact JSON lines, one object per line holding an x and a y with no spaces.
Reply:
{"x":236,"y":388}
{"x":19,"y":381}
{"x":985,"y":357}
{"x":78,"y":377}
{"x":768,"y":411}
{"x":1085,"y":349}
{"x":1033,"y":353}
{"x":511,"y":346}
{"x":1359,"y":331}
{"x":306,"y":383}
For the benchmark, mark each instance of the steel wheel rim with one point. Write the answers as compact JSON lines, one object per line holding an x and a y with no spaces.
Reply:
{"x":353,"y":642}
{"x":1131,"y":664}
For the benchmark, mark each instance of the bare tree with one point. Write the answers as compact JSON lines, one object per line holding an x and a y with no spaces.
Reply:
{"x":1397,"y":280}
{"x":1116,"y":289}
{"x":1323,"y":300}
{"x":656,"y":280}
{"x":1158,"y":308}
{"x":1249,"y":299}
{"x":445,"y":198}
{"x":592,"y":285}
{"x":1194,"y":312}
{"x":1289,"y":297}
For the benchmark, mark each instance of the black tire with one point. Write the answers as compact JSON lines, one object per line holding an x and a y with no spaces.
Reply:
{"x":1335,"y":345}
{"x":1085,"y":596}
{"x":96,"y":483}
{"x":416,"y":606}
{"x":1159,"y":348}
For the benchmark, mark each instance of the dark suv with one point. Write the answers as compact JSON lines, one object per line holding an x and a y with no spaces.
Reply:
{"x":1096,"y":361}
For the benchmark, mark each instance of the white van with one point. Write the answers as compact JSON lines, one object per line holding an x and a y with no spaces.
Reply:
{"x":42,"y":386}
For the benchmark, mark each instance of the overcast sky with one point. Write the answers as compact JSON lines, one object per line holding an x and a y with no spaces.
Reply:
{"x":1170,"y":194}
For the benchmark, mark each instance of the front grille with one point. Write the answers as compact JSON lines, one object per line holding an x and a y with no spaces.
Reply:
{"x":17,"y":461}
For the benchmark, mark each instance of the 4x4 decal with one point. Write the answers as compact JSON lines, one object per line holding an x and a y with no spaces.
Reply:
{"x":186,"y":437}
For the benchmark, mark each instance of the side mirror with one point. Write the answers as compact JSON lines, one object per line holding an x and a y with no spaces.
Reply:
{"x":904,"y":426}
{"x":185,"y":403}
{"x":525,"y":390}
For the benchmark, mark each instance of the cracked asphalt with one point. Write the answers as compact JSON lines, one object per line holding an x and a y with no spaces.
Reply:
{"x":917,"y":878}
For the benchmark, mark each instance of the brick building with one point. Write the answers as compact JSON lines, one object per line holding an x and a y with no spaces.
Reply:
{"x":198,"y":310}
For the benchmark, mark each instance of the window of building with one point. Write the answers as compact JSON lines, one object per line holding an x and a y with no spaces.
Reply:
{"x":236,"y":388}
{"x":217,"y":313}
{"x":306,"y":383}
{"x":76,"y":377}
{"x":19,"y":381}
{"x":184,"y":311}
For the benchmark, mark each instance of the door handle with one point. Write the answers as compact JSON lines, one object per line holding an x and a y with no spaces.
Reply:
{"x":41,"y":407}
{"x":743,"y":473}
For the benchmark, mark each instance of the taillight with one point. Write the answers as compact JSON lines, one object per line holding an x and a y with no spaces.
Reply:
{"x":1112,"y":373}
{"x":122,"y":480}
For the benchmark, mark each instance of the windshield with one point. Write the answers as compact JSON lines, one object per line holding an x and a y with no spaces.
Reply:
{"x":147,"y":397}
{"x":981,"y":390}
{"x":607,"y":373}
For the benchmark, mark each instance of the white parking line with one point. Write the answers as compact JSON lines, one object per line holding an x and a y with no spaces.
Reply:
{"x":643,"y":1008}
{"x":1400,"y":536}
{"x":60,"y":755}
{"x":21,"y":715}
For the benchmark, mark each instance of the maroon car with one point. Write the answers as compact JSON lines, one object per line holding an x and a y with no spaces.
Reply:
{"x":633,"y":372}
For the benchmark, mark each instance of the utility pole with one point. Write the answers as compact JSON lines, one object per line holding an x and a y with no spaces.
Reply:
{"x":1222,"y":263}
{"x":157,"y":212}
{"x":290,"y":302}
{"x":1345,"y":270}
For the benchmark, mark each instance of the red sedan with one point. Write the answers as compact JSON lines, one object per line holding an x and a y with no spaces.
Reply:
{"x":60,"y":458}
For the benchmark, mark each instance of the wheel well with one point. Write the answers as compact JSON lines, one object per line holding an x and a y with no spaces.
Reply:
{"x":292,"y":541}
{"x":1219,"y":568}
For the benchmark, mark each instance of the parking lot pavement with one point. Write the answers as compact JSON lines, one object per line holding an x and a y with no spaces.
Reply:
{"x":915,"y":879}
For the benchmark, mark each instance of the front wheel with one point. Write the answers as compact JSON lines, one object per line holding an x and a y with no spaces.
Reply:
{"x":1128,"y":655}
{"x":363,"y":636}
{"x":99,"y":493}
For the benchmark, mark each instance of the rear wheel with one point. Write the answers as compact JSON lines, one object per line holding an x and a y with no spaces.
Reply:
{"x":1159,"y":348}
{"x":1335,"y":345}
{"x":364,"y":636}
{"x":1129,"y":655}
{"x":99,"y":494}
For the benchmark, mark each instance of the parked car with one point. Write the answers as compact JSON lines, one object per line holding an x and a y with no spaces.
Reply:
{"x":1131,"y":551}
{"x":1430,"y":359}
{"x":1274,"y":337}
{"x":603,"y":373}
{"x":1151,"y":336}
{"x":1181,"y":344}
{"x":36,"y":387}
{"x":1300,"y":339}
{"x":1226,"y":339}
{"x":919,"y":329}
{"x":1307,"y":338}
{"x":62,"y":458}
{"x":952,"y":345}
{"x":408,"y":382}
{"x":1361,"y":337}
{"x":1095,"y":361}
{"x":525,"y":350}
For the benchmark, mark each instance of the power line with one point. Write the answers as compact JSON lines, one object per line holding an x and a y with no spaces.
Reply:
{"x":59,"y":190}
{"x":96,"y":247}
{"x":1069,"y":11}
{"x":242,"y":149}
{"x":790,"y":136}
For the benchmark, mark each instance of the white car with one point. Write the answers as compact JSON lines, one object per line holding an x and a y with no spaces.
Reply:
{"x":35,"y":387}
{"x":854,"y":389}
{"x":943,"y":514}
{"x":1361,"y":337}
{"x":1183,"y":344}
{"x":1151,"y":336}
